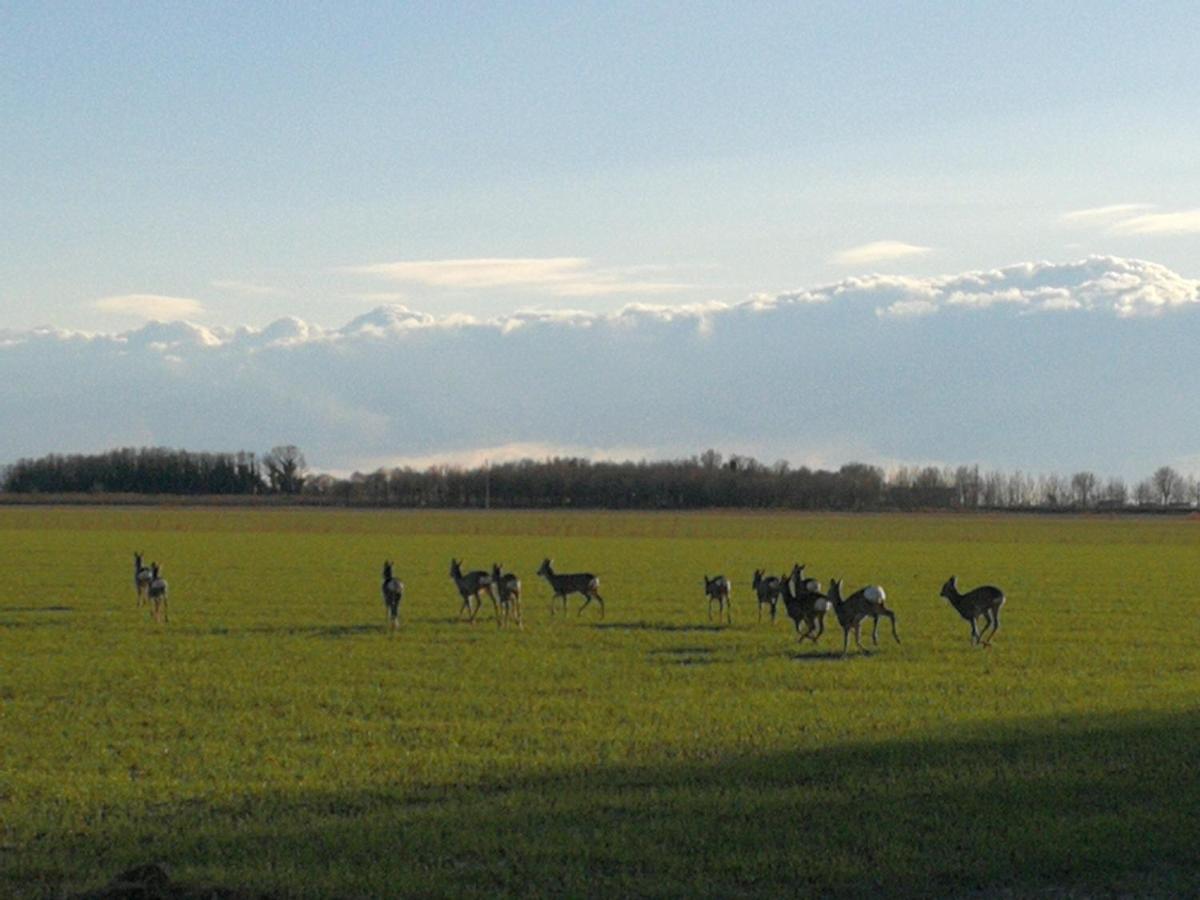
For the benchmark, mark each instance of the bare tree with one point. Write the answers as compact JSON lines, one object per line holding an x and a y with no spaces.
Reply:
{"x":1083,"y":486}
{"x":1143,"y":493}
{"x":286,"y":469}
{"x":1167,"y":485}
{"x":1115,"y":492}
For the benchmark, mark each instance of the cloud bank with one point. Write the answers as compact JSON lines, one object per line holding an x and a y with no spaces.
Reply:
{"x":1038,"y":365}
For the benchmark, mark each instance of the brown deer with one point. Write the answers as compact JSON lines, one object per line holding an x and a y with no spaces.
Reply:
{"x":157,"y":592}
{"x":509,"y":587}
{"x":867,"y":601}
{"x":141,"y":578}
{"x":984,"y":601}
{"x":767,"y":589}
{"x":393,"y":592}
{"x":470,"y":586}
{"x":804,"y":602}
{"x":718,"y":590}
{"x":583,"y":583}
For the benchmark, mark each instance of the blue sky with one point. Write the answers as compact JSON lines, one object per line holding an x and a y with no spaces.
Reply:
{"x":234,"y":164}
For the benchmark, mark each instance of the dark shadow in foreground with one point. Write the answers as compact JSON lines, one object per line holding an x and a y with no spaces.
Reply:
{"x":1092,"y":807}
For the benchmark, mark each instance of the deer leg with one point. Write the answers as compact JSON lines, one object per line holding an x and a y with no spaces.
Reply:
{"x":587,"y":598}
{"x":845,"y":640}
{"x":892,"y":616}
{"x":601,"y":601}
{"x":875,"y":630}
{"x":728,"y":611}
{"x":974,"y":632}
{"x":995,"y":623}
{"x":710,"y":603}
{"x":858,"y":635}
{"x":984,"y":638}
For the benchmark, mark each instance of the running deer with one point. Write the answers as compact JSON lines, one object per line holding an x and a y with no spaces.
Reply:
{"x":983,"y":601}
{"x":470,"y":586}
{"x":141,"y":578}
{"x":717,"y":590}
{"x":392,"y":589}
{"x":564,"y":585}
{"x":508,"y":585}
{"x":157,"y":592}
{"x":804,"y":602}
{"x":767,"y":588}
{"x":867,"y":601}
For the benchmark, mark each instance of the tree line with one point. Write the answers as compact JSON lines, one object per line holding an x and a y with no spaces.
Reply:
{"x":158,"y":470}
{"x":708,"y":480}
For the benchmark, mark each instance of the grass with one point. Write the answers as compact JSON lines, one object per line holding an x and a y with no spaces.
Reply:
{"x":274,"y":739}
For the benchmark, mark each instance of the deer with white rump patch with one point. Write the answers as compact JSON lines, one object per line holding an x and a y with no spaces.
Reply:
{"x":767,"y":588}
{"x":141,"y":578}
{"x":717,"y":590}
{"x":984,"y":601}
{"x":865,"y":602}
{"x":804,"y":602}
{"x":392,"y":589}
{"x":509,"y":587}
{"x":157,"y":592}
{"x":584,"y":583}
{"x":470,"y":586}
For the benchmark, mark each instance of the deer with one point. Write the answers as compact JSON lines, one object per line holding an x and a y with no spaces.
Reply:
{"x":392,"y":589}
{"x":509,"y":587}
{"x":767,"y":588}
{"x":984,"y":601}
{"x":470,"y":586}
{"x":717,"y":590}
{"x":141,"y":578}
{"x":804,"y":602}
{"x":157,"y":593}
{"x":584,"y":583}
{"x":867,"y":601}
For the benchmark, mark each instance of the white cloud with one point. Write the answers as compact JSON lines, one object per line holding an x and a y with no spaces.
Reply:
{"x":504,"y":453}
{"x":1102,"y":214}
{"x":1184,"y":222}
{"x":150,"y":306}
{"x":568,"y":276}
{"x":824,"y":373}
{"x":878,"y":251}
{"x":249,"y":288}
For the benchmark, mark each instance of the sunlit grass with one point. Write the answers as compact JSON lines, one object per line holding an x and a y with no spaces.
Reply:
{"x":274,"y":737}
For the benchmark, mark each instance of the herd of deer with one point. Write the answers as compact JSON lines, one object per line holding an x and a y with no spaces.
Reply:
{"x":802,"y":597}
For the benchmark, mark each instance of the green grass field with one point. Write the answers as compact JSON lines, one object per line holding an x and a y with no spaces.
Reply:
{"x":273,"y":738}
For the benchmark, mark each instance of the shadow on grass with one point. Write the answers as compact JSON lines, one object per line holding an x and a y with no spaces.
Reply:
{"x":1059,"y":807}
{"x":317,"y":631}
{"x":656,"y":626}
{"x":36,"y":609}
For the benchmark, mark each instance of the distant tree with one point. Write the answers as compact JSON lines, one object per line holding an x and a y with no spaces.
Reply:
{"x":1144,"y":492}
{"x":1167,"y":485}
{"x":1115,"y":492}
{"x":1083,"y":488}
{"x":286,"y":469}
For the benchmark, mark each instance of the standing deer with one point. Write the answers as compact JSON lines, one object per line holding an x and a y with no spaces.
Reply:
{"x":717,"y":590}
{"x":470,"y":586}
{"x":157,"y":592}
{"x":141,"y":578}
{"x":767,"y":589}
{"x":804,"y":602}
{"x":983,"y":601}
{"x":392,"y":589}
{"x":867,"y":601}
{"x":509,"y":587}
{"x":564,"y":585}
